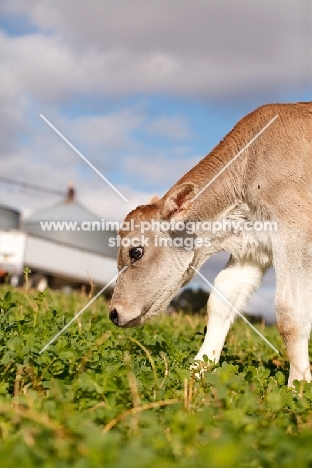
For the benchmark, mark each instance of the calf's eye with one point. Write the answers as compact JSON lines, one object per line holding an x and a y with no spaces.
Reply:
{"x":136,"y":253}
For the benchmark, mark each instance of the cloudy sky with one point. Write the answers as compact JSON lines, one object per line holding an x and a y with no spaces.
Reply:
{"x":143,"y":88}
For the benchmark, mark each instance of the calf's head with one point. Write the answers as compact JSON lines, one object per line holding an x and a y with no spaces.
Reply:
{"x":156,"y":266}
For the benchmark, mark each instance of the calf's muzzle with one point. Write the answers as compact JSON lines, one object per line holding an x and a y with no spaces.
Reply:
{"x":113,"y":315}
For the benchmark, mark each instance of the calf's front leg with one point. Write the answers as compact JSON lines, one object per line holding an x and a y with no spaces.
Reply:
{"x":236,"y":283}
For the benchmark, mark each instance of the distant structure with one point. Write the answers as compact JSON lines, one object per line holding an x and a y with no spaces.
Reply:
{"x":70,"y":210}
{"x":9,"y":218}
{"x":60,"y":256}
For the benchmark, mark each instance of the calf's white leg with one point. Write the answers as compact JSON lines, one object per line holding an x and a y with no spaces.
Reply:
{"x":236,"y":283}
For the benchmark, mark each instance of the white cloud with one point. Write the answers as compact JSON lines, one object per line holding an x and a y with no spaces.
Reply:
{"x":162,"y":169}
{"x":45,"y":68}
{"x":105,"y":49}
{"x":174,"y":128}
{"x":48,"y":161}
{"x":202,"y":49}
{"x":108,"y":131}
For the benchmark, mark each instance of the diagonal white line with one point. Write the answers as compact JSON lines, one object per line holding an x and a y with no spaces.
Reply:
{"x":83,"y":157}
{"x":234,"y":308}
{"x":233,"y":159}
{"x":82,"y":310}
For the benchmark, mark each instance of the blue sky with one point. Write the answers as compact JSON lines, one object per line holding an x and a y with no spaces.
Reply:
{"x":143,"y":89}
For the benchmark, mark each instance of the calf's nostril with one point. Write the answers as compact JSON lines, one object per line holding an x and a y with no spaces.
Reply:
{"x":113,"y":315}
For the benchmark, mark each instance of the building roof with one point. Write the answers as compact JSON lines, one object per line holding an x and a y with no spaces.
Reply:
{"x":63,"y":211}
{"x":96,"y":241}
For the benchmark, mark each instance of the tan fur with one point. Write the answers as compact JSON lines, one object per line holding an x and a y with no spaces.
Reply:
{"x":154,"y":199}
{"x":271,"y":180}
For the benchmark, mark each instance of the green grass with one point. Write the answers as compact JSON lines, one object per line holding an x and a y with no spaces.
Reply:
{"x":105,"y":397}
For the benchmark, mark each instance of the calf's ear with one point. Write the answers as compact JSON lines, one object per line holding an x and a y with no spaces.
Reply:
{"x":178,"y":201}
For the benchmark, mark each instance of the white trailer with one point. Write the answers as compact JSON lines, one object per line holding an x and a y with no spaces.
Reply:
{"x":52,"y":263}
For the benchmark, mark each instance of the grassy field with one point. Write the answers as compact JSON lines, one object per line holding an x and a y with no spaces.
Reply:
{"x":105,"y":397}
